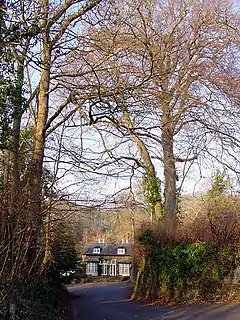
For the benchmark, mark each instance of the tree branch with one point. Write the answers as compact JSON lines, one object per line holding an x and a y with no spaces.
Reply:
{"x":89,"y":6}
{"x":178,"y":159}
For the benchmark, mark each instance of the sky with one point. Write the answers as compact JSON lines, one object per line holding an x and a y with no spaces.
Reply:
{"x":91,"y":186}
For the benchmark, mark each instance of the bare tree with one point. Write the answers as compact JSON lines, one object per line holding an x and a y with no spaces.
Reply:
{"x":179,"y":69}
{"x":39,"y":33}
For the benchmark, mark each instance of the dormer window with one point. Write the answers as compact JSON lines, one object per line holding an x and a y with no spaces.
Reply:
{"x":96,"y":250}
{"x":121,"y":251}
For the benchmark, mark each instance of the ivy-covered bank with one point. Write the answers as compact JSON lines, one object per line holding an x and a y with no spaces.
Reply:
{"x":185,"y":272}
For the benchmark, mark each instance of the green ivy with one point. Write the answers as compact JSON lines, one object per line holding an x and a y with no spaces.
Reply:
{"x":175,"y":270}
{"x":152,"y":192}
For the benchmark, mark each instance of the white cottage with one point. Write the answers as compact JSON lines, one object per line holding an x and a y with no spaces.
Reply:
{"x":107,"y":259}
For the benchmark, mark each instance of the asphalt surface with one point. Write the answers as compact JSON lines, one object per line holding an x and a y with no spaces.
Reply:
{"x":111,"y":302}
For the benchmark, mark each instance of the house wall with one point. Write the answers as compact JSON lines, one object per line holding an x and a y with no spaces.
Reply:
{"x":92,"y":262}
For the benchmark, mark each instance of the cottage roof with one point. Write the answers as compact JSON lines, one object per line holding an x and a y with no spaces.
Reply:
{"x":108,"y":249}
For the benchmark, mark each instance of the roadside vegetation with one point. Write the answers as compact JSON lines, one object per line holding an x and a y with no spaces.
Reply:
{"x":200,"y":260}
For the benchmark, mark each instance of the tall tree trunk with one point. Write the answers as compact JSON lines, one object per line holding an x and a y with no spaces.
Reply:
{"x":14,"y":204}
{"x":5,"y":190}
{"x":39,"y":137}
{"x":17,"y":116}
{"x":15,"y":174}
{"x":47,"y":245}
{"x":169,"y":171}
{"x":156,"y":206}
{"x":42,"y":115}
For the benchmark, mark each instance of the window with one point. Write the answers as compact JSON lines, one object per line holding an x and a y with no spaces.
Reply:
{"x":113,"y":267}
{"x":92,"y":268}
{"x":124,"y":269}
{"x":101,"y":240}
{"x":104,"y":267}
{"x":121,"y":251}
{"x":96,"y":250}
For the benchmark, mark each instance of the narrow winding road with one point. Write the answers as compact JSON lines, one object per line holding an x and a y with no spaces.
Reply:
{"x":111,"y":302}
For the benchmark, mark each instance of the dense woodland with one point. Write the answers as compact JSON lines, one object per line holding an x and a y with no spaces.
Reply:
{"x":105,"y":103}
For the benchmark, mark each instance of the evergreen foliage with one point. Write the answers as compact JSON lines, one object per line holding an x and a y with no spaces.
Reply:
{"x":220,"y":185}
{"x":179,"y":271}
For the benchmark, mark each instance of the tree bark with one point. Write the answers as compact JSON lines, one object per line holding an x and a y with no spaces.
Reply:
{"x":17,"y":117}
{"x":156,"y":210}
{"x":14,"y":174}
{"x":170,"y":189}
{"x":5,"y":189}
{"x":47,"y":245}
{"x":36,"y":169}
{"x":42,"y":115}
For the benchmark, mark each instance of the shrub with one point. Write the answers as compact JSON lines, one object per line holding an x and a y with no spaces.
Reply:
{"x":192,"y":263}
{"x":42,"y":300}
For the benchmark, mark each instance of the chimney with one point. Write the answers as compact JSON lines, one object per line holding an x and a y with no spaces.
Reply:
{"x":125,"y":240}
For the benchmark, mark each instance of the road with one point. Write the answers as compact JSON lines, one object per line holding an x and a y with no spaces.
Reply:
{"x":111,"y":302}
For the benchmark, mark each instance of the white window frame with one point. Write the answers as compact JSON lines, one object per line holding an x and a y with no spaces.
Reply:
{"x":96,"y":250}
{"x":92,"y":268}
{"x":104,"y":265}
{"x":113,"y":268}
{"x":121,"y":251}
{"x":124,"y":269}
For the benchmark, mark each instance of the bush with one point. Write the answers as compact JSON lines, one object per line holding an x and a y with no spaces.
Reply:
{"x":192,"y":263}
{"x":37,"y":301}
